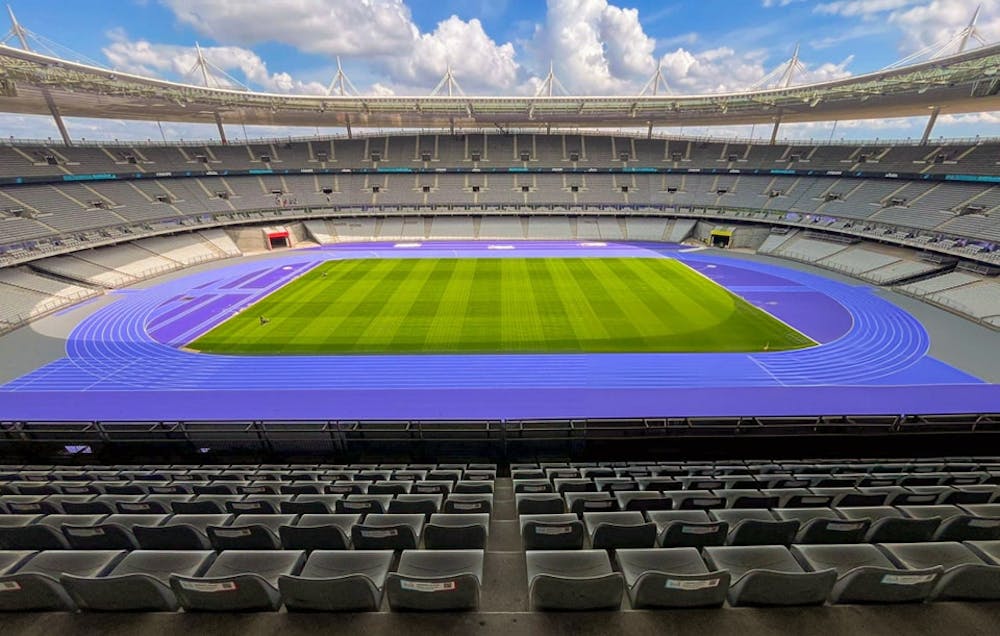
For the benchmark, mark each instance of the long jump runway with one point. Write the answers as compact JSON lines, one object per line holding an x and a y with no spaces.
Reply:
{"x":126,"y":361}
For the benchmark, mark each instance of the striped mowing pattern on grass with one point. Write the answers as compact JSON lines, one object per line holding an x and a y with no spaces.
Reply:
{"x":489,"y":305}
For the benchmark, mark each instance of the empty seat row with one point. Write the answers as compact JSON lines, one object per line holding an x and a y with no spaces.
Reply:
{"x":785,"y":526}
{"x":229,"y":487}
{"x":237,"y":580}
{"x":579,"y":502}
{"x":403,"y":503}
{"x":244,"y":532}
{"x":765,"y":575}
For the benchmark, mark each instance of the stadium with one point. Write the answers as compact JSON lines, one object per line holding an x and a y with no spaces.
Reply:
{"x":482,"y":362}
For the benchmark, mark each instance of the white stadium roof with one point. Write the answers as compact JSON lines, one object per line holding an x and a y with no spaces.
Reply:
{"x":32,"y":83}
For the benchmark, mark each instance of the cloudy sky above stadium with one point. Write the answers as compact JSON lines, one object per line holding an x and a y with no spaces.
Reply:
{"x":500,"y":46}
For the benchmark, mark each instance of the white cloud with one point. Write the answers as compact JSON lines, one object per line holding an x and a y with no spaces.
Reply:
{"x":596,"y":47}
{"x":476,"y":59}
{"x":722,"y":70}
{"x":939,"y":20}
{"x":331,"y":27}
{"x":861,"y":8}
{"x":173,"y":61}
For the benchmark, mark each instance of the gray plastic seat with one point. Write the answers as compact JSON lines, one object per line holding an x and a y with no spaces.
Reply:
{"x":11,"y":560}
{"x":338,"y":581}
{"x":824,"y":526}
{"x":238,"y":581}
{"x":573,"y":580}
{"x":539,"y":504}
{"x":413,"y":504}
{"x":310,"y":504}
{"x":671,"y":577}
{"x":319,"y":532}
{"x":614,"y":530}
{"x":10,"y":535}
{"x":769,"y":575}
{"x":35,"y":585}
{"x":249,"y":532}
{"x":696,"y":500}
{"x":436,"y":580}
{"x":388,"y":532}
{"x":204,"y":505}
{"x":114,"y":532}
{"x":45,"y":533}
{"x":756,"y":527}
{"x":457,"y":531}
{"x":139,"y":582}
{"x":890,"y":526}
{"x":866,"y":575}
{"x":957,"y":524}
{"x":385,"y":487}
{"x":687,"y":528}
{"x":473,"y":487}
{"x":552,"y":532}
{"x":966,"y":577}
{"x":180,"y":532}
{"x":432,"y":487}
{"x":258,"y":504}
{"x":643,"y":500}
{"x":844,"y":496}
{"x":581,"y":502}
{"x":464,"y":503}
{"x":362,"y":504}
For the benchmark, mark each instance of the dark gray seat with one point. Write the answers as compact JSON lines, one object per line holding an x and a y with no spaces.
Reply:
{"x":319,"y":532}
{"x":388,"y":532}
{"x":204,"y":505}
{"x":338,"y":581}
{"x":769,"y":575}
{"x":890,"y":526}
{"x":180,"y":532}
{"x":238,"y":581}
{"x":671,"y":577}
{"x":866,"y":575}
{"x":410,"y":504}
{"x":552,"y":532}
{"x":10,"y":536}
{"x":436,"y":580}
{"x":696,"y":500}
{"x":35,"y":585}
{"x":539,"y":504}
{"x":43,"y":534}
{"x":573,"y":580}
{"x":643,"y":500}
{"x":363,"y":504}
{"x":824,"y":526}
{"x":966,"y":577}
{"x":581,"y":502}
{"x":687,"y":528}
{"x":957,"y":524}
{"x":457,"y":531}
{"x":464,"y":503}
{"x":114,"y":532}
{"x":139,"y":582}
{"x":613,"y":530}
{"x":756,"y":527}
{"x":310,"y":504}
{"x":249,"y":532}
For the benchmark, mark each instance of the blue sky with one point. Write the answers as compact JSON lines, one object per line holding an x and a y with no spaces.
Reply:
{"x":501,"y":46}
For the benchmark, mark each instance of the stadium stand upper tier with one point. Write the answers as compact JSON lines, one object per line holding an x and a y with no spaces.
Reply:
{"x":499,"y":150}
{"x":55,"y":198}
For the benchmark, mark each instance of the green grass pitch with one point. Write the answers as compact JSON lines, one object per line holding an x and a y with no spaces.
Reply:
{"x":490,"y":305}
